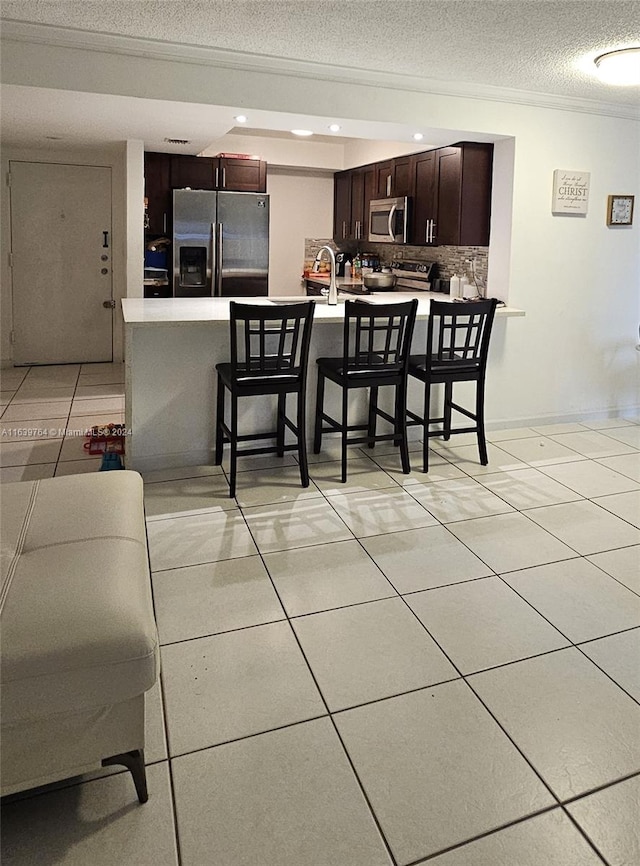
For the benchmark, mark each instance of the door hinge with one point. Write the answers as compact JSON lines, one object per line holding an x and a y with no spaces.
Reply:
{"x":109,"y":305}
{"x":8,"y":178}
{"x":12,"y":337}
{"x":10,"y":260}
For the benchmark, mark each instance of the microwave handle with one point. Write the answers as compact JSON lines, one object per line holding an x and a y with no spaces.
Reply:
{"x":394,"y":208}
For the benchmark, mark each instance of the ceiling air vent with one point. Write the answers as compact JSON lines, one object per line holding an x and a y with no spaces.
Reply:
{"x":177,"y":141}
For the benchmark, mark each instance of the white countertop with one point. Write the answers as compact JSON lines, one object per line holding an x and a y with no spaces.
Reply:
{"x":172,"y":311}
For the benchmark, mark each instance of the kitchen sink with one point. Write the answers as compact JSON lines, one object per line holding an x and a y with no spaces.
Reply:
{"x":316,"y":300}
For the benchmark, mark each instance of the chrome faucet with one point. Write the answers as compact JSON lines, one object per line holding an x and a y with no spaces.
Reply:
{"x":333,"y":288}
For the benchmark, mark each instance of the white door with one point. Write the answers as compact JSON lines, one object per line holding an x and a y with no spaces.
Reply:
{"x":61,"y":263}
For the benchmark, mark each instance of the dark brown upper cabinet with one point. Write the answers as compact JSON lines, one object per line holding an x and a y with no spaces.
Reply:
{"x":157,"y":190}
{"x":450,"y":190}
{"x":464,"y":176}
{"x":241,"y":175}
{"x":221,"y":173}
{"x":342,"y":206}
{"x":193,"y":172}
{"x":423,"y":175}
{"x":393,"y":177}
{"x":452,"y":195}
{"x":353,"y":190}
{"x":362,"y":191}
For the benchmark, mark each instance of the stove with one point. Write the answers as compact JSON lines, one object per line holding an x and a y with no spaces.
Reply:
{"x":417,"y":276}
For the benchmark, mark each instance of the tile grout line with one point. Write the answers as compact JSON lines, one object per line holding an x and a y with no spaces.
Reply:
{"x":324,"y":701}
{"x":75,"y":387}
{"x":462,"y":676}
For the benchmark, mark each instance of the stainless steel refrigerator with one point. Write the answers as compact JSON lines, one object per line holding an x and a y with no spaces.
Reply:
{"x":220,"y":243}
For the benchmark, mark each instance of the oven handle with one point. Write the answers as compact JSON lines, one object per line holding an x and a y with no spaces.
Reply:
{"x":394,"y":208}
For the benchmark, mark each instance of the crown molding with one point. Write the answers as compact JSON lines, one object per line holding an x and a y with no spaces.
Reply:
{"x":107,"y":43}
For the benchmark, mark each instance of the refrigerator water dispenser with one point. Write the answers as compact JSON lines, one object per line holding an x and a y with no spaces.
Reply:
{"x":193,"y":267}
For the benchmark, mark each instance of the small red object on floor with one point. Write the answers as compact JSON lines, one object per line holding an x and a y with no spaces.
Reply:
{"x":105,"y":438}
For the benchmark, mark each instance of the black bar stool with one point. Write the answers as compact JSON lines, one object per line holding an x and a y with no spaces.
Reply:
{"x":269,"y":355}
{"x":457,"y":348}
{"x":376,"y":345}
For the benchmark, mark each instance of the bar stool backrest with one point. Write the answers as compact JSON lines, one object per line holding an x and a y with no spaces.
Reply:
{"x":377,"y":337}
{"x":458,"y":334}
{"x":270,"y":341}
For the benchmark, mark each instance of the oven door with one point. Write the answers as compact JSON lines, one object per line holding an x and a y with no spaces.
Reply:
{"x":388,"y":219}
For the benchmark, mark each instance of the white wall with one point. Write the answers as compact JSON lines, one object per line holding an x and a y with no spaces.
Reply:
{"x":301,"y":206}
{"x":363,"y":152}
{"x":293,"y":152}
{"x":134,"y":215}
{"x":115,"y":157}
{"x":578,"y":280}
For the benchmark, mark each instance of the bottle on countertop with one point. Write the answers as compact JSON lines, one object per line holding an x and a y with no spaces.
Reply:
{"x":357,"y":267}
{"x":464,"y":287}
{"x":347,"y":269}
{"x":455,"y":287}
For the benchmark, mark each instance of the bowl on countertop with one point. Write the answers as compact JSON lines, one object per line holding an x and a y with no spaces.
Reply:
{"x":381,"y":281}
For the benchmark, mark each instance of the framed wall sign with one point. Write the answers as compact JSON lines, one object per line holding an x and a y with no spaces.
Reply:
{"x":620,"y":210}
{"x":570,"y":191}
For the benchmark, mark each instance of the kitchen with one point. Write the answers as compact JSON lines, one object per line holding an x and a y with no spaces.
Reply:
{"x":459,"y":176}
{"x":447,"y":186}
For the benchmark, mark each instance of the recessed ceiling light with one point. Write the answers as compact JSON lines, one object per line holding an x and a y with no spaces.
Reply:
{"x":241,"y":118}
{"x":302,"y":132}
{"x":335,"y":127}
{"x":177,"y":141}
{"x":418,"y":136}
{"x":619,"y":67}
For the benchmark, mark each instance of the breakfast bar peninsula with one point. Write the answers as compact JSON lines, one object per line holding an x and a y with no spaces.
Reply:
{"x":172,"y":346}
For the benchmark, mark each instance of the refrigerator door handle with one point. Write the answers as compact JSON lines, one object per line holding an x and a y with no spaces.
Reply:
{"x":218,"y":291}
{"x":211,"y":263}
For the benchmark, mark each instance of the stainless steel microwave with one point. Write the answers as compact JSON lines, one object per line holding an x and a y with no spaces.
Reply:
{"x":388,"y":220}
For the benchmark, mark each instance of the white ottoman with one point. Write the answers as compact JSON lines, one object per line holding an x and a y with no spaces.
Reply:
{"x":79,"y":642}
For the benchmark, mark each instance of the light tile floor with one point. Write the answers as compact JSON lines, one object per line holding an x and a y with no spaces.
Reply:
{"x":439,"y":669}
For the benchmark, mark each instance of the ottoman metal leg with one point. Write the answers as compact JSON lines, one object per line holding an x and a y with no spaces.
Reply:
{"x":134,"y":762}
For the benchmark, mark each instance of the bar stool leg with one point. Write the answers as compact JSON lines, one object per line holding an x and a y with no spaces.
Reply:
{"x":282,"y":408}
{"x":302,"y":442}
{"x":425,"y":427}
{"x":482,"y":442}
{"x":317,"y":436}
{"x":373,"y":405}
{"x":345,"y":432}
{"x":234,"y":446}
{"x":448,"y":397}
{"x":401,"y":423}
{"x":219,"y":421}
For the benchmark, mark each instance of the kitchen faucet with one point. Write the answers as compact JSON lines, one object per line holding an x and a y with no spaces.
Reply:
{"x":333,"y":288}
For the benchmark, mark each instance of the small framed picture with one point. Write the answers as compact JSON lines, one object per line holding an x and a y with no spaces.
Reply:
{"x":620,"y":210}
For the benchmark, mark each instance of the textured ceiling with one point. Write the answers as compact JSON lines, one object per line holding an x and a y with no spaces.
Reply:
{"x":541,"y":46}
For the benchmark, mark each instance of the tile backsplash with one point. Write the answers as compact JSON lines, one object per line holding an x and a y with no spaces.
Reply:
{"x":451,"y":260}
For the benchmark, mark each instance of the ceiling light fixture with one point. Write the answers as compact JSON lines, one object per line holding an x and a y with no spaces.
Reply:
{"x":334,"y":127}
{"x":241,"y":118}
{"x":302,"y":132}
{"x":619,"y":67}
{"x":418,"y":136}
